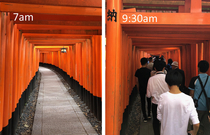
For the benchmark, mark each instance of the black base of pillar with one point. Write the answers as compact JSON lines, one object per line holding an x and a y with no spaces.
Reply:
{"x":132,"y":98}
{"x":99,"y":108}
{"x":11,"y":127}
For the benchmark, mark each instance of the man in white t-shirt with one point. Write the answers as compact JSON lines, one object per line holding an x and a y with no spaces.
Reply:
{"x":155,"y":87}
{"x":176,"y":108}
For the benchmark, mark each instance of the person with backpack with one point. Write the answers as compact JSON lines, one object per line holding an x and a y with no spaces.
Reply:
{"x":200,"y":91}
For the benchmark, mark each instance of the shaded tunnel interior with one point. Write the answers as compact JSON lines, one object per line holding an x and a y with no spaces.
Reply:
{"x":182,"y":43}
{"x":186,"y":44}
{"x":183,"y":40}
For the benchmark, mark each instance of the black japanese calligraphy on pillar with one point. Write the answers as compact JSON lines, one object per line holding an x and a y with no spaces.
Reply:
{"x":110,"y":15}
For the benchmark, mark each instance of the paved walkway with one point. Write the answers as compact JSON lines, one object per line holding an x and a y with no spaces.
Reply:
{"x":56,"y":111}
{"x":146,"y":128}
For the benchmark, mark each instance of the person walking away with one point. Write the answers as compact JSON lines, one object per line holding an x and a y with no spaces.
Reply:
{"x":168,"y":66}
{"x":153,"y":72}
{"x":176,"y":108}
{"x":182,"y":87}
{"x":150,"y":65}
{"x":143,"y":75}
{"x":195,"y":91}
{"x":157,"y":86}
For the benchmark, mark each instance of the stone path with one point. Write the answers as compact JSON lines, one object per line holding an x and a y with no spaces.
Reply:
{"x":146,"y":128}
{"x":56,"y":111}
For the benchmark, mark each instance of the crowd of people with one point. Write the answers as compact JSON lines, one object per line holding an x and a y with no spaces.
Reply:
{"x":176,"y":109}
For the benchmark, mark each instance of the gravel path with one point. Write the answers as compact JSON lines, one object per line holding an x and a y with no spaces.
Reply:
{"x":134,"y":118}
{"x":91,"y":118}
{"x":25,"y":123}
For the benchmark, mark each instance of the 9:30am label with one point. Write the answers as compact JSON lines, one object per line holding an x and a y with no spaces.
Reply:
{"x":138,"y":18}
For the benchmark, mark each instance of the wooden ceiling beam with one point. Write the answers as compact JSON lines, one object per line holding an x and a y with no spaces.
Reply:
{"x":78,"y":32}
{"x":46,"y":9}
{"x":168,"y":37}
{"x":156,"y":3}
{"x":160,"y":3}
{"x":166,"y":18}
{"x":155,"y":46}
{"x":55,"y":27}
{"x":87,"y":3}
{"x":52,"y":45}
{"x":55,"y":17}
{"x":55,"y":41}
{"x":69,"y":36}
{"x":63,"y":23}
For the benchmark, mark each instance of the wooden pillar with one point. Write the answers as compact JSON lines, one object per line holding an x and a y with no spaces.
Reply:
{"x":98,"y":53}
{"x":200,"y":52}
{"x":73,"y":62}
{"x":2,"y":65}
{"x":34,"y":61}
{"x":113,"y":70}
{"x":194,"y":60}
{"x":179,"y":58}
{"x":94,"y":59}
{"x":15,"y":65}
{"x":206,"y":53}
{"x":181,"y":9}
{"x":26,"y":65}
{"x":59,"y":59}
{"x":133,"y":65}
{"x":188,"y":62}
{"x":90,"y":72}
{"x":8,"y":75}
{"x":130,"y":70}
{"x":68,"y":60}
{"x":193,"y":6}
{"x":183,"y":61}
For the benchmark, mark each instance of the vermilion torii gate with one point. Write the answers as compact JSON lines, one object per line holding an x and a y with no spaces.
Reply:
{"x":182,"y":36}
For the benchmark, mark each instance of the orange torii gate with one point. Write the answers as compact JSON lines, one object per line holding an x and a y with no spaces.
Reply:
{"x":133,"y":36}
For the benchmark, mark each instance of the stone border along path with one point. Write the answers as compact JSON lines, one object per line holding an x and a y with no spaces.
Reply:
{"x":56,"y":111}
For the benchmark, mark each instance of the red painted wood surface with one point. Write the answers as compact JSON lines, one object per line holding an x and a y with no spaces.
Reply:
{"x":18,"y":66}
{"x":2,"y":65}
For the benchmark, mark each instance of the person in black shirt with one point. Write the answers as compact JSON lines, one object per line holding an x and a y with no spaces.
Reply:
{"x":168,"y":66}
{"x":143,"y":75}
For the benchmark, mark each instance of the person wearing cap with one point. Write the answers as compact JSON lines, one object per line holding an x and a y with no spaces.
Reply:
{"x":182,"y":87}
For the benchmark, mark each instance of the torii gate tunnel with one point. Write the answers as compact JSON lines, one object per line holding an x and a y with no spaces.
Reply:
{"x":182,"y":36}
{"x":33,"y":32}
